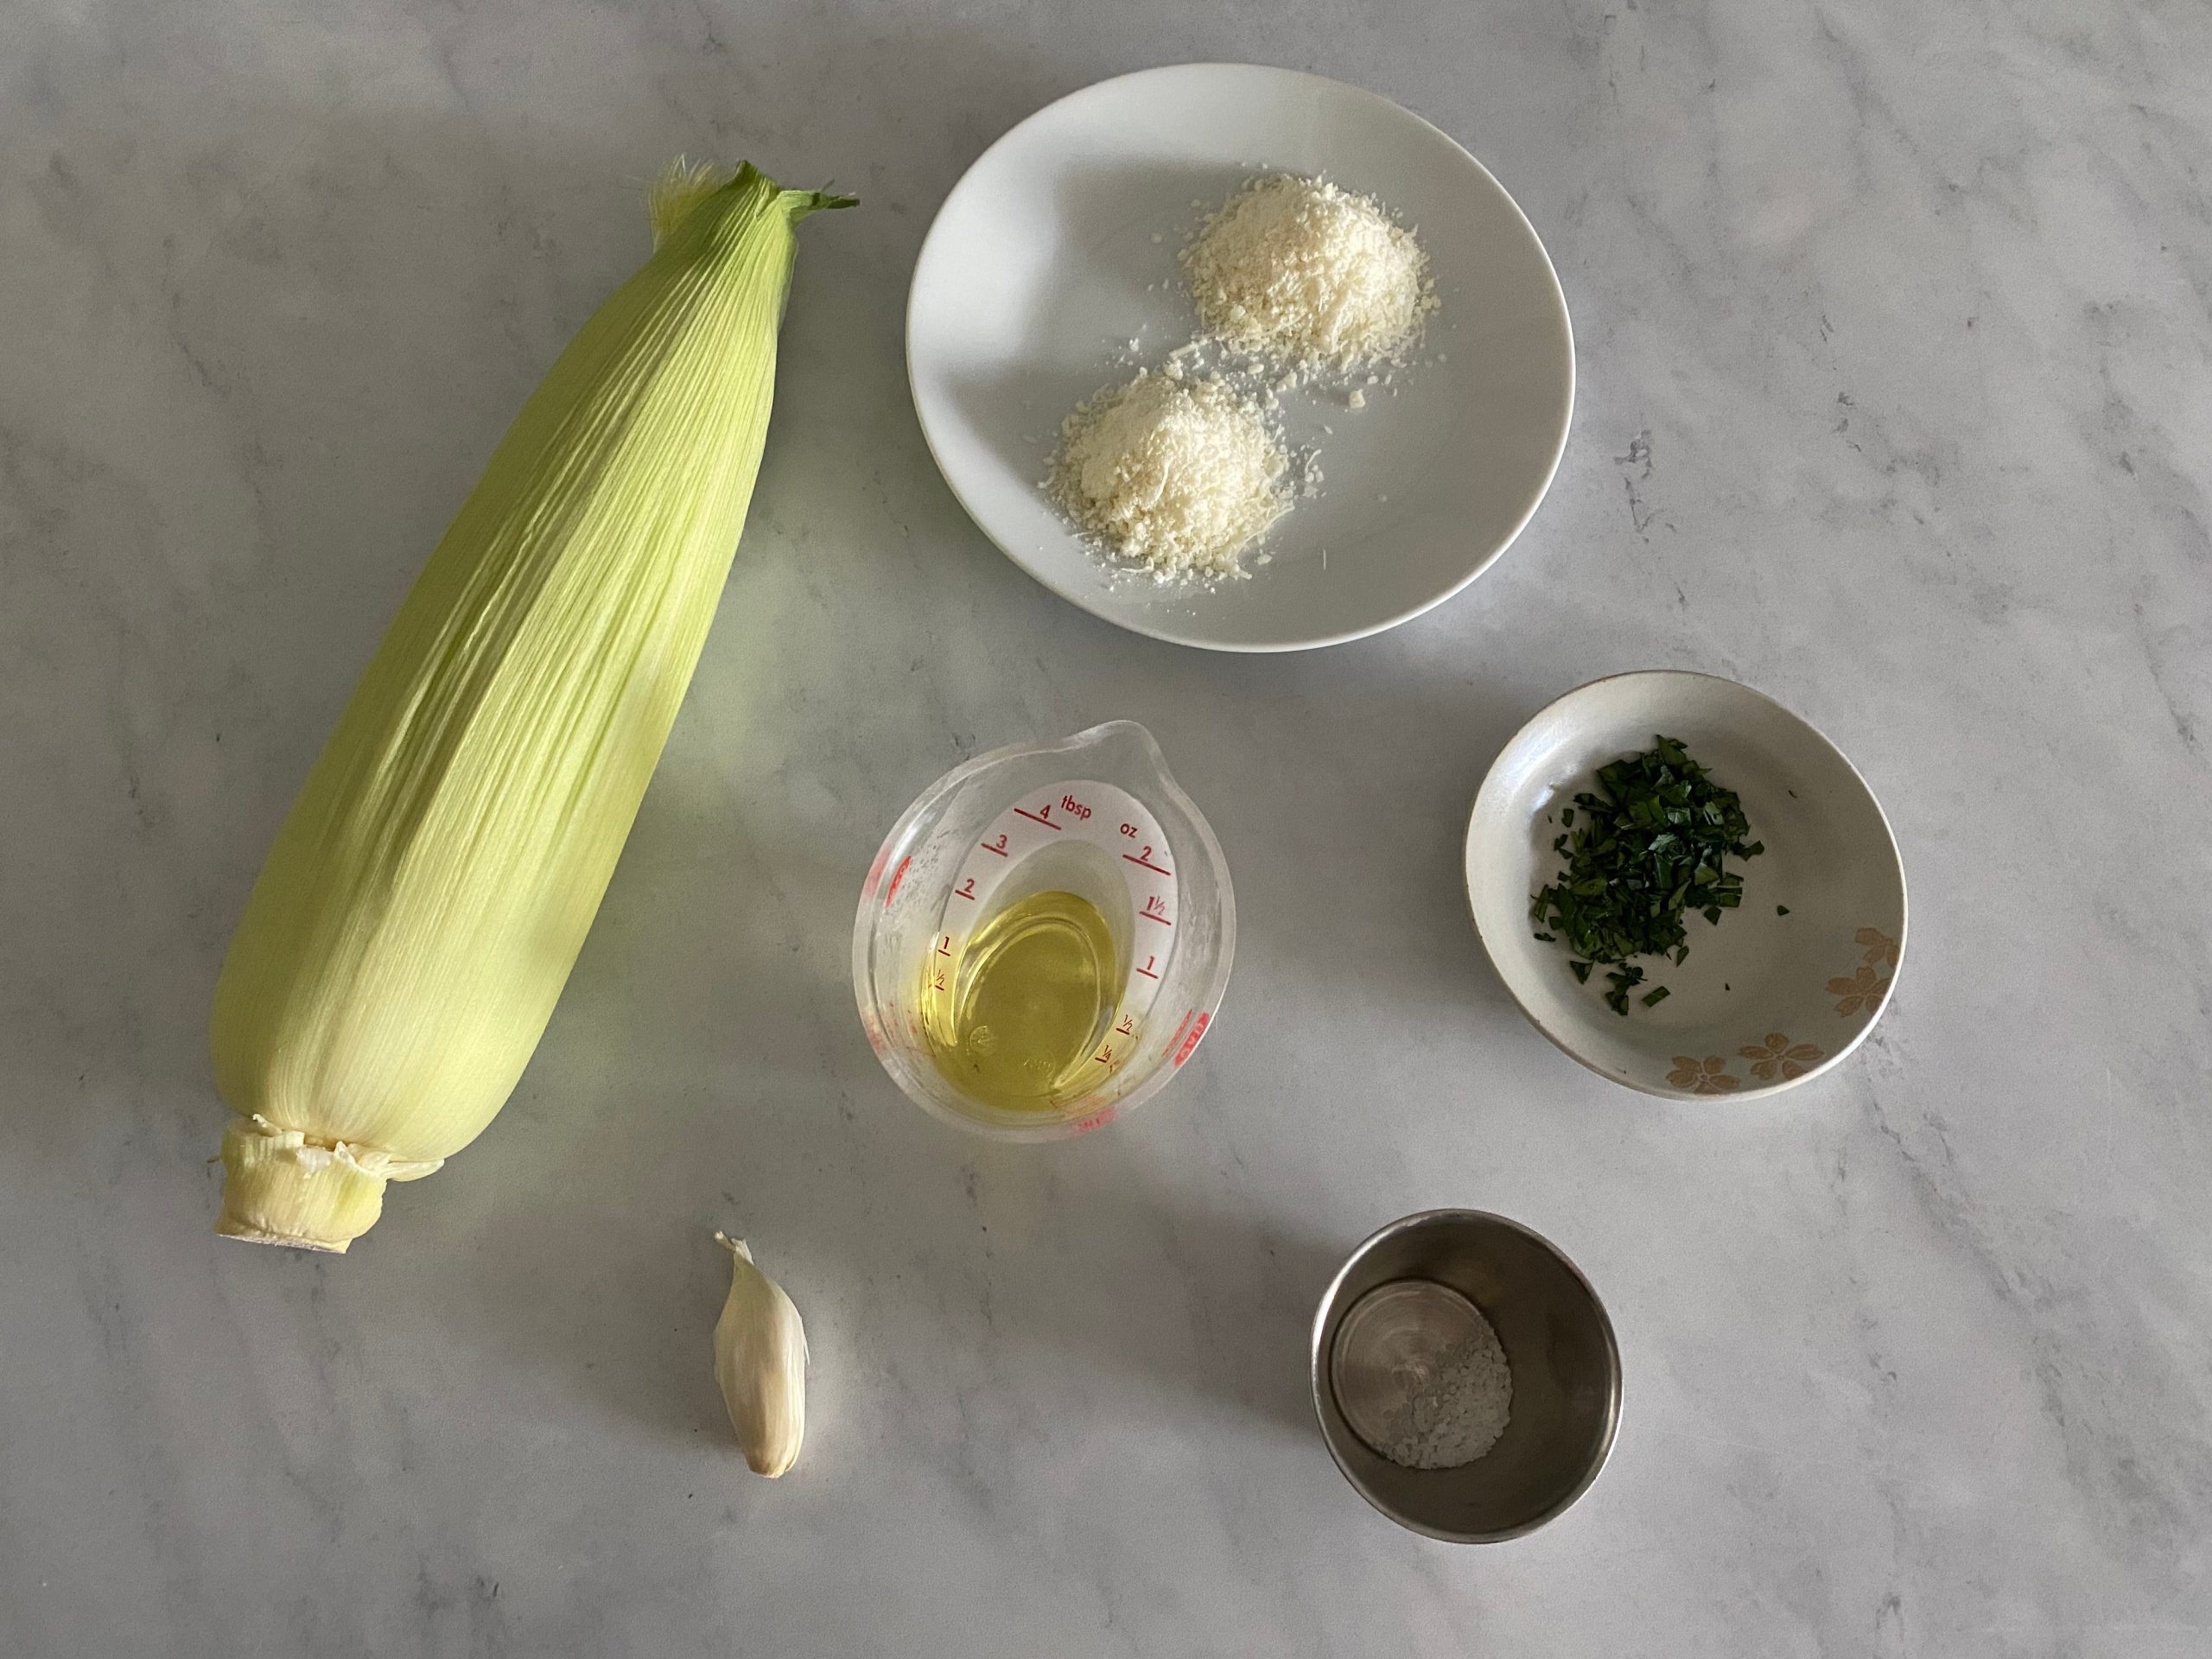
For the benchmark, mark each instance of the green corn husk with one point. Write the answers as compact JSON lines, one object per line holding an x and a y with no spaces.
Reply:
{"x":429,"y":892}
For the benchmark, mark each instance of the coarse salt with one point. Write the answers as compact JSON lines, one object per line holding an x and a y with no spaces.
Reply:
{"x":1456,"y":1412}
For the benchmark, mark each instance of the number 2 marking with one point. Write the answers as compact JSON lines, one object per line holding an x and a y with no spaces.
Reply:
{"x":1143,"y":860}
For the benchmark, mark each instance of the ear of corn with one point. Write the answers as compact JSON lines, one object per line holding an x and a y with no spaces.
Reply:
{"x":426,"y":895}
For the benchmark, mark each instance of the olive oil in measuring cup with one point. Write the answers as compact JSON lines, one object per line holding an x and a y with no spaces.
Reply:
{"x":1015,"y":1022}
{"x":1043,"y":937}
{"x":1039,"y":982}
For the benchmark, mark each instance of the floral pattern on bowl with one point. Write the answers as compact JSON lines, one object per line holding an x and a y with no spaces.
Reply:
{"x":1777,"y":1055}
{"x":1867,"y":986}
{"x":1707,"y":1076}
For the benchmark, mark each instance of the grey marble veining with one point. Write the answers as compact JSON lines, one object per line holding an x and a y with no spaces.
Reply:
{"x":1895,"y":401}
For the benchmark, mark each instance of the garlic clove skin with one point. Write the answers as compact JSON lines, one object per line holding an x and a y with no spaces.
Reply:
{"x":761,"y":1363}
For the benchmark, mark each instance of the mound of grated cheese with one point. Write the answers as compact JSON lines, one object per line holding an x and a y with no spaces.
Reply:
{"x":1302,"y":269}
{"x":1177,"y":475}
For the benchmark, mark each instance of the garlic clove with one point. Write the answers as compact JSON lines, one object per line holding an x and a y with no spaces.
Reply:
{"x":760,"y":1362}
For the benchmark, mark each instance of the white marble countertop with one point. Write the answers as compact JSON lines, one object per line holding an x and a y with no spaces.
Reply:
{"x":1892,"y":327}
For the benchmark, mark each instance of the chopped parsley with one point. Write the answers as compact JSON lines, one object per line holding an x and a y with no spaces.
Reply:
{"x":1653,"y":845}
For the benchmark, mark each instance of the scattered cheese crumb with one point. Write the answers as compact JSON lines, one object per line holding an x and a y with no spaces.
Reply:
{"x":1358,"y":400}
{"x":1178,"y":476}
{"x":1300,"y":267}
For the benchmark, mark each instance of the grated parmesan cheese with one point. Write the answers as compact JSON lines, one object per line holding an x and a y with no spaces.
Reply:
{"x":1300,"y":268}
{"x":1177,"y":475}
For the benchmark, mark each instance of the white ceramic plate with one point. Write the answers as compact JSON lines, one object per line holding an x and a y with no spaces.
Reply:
{"x":1762,"y":1001}
{"x":1058,"y":249}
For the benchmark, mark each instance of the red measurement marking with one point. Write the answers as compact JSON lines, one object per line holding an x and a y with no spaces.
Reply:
{"x":1105,"y":1057}
{"x":1085,"y":1125}
{"x":945,"y":944}
{"x":1146,"y":971}
{"x":1191,"y":1042}
{"x":1127,"y":1028}
{"x":998,"y":847}
{"x":896,"y":876}
{"x":1034,"y":818}
{"x":966,"y":889}
{"x":1155,"y":916}
{"x":1147,"y":863}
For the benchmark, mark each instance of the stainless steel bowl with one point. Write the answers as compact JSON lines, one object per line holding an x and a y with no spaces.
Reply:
{"x":1558,"y":1343}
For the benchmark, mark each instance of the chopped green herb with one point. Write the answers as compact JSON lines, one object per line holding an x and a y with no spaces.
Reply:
{"x":1782,"y":910}
{"x":1654,"y":843}
{"x":1656,"y":995}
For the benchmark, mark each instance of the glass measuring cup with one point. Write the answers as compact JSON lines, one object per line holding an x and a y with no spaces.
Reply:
{"x":1096,"y":812}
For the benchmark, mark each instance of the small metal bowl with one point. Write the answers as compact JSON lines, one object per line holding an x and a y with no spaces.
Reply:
{"x":1558,"y":1343}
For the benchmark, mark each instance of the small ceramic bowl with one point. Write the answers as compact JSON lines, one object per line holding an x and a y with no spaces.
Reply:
{"x":1783,"y":986}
